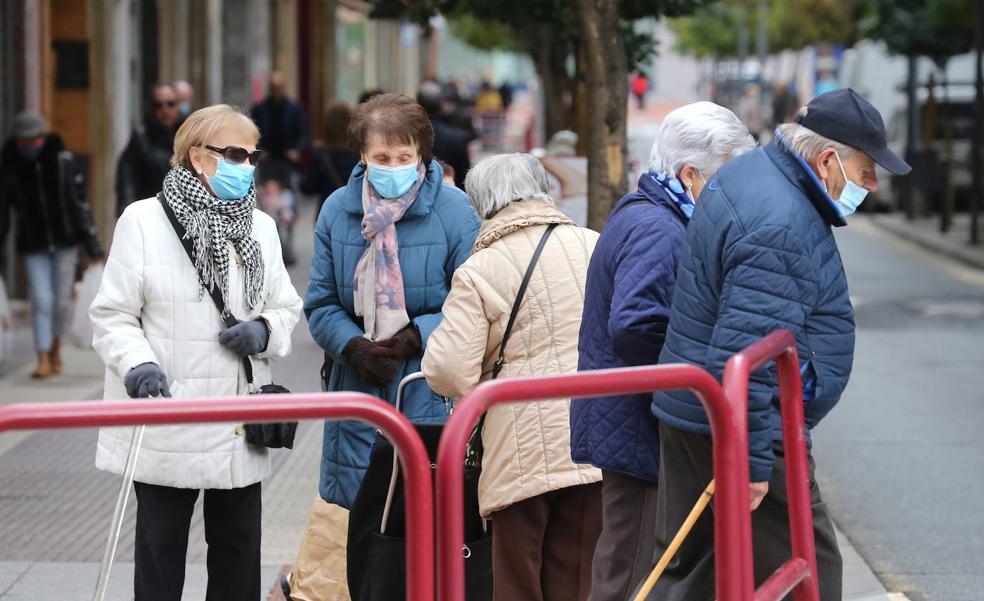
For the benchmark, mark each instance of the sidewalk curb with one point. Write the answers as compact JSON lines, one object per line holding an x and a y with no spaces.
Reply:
{"x":932,"y":242}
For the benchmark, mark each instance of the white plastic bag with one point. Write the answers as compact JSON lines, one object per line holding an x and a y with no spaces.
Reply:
{"x":80,"y":328}
{"x":6,"y":325}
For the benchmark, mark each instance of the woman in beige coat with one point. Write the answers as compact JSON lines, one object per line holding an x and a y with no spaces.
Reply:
{"x":545,"y":509}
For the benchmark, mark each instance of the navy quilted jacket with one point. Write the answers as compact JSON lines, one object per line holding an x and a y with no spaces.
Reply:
{"x":761,"y":255}
{"x":626,"y":309}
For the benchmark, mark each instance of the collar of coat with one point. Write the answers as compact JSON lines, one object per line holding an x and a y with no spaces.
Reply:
{"x":656,"y":194}
{"x":799,"y":173}
{"x":516,"y":216}
{"x":433,"y":181}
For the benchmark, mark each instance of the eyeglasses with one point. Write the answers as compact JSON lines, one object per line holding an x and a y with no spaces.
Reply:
{"x":237,"y":154}
{"x":167,"y":103}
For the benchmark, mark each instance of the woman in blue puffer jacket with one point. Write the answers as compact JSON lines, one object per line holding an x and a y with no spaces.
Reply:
{"x":386,"y":246}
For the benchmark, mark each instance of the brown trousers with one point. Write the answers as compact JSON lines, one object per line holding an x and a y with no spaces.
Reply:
{"x":685,"y":469}
{"x":542,"y":546}
{"x":624,"y":555}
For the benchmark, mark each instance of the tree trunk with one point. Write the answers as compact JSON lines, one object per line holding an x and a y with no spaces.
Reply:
{"x":607,"y":76}
{"x":549,"y":52}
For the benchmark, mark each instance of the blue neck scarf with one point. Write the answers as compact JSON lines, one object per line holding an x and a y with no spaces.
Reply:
{"x":674,"y":188}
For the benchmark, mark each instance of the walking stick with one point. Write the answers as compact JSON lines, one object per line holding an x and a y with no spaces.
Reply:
{"x":114,"y":532}
{"x":681,"y":535}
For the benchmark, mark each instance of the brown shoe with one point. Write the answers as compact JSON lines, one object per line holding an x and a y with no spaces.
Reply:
{"x":43,"y":370}
{"x":55,"y":357}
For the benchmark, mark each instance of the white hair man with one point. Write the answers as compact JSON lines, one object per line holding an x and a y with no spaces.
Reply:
{"x":761,"y":256}
{"x":626,"y":309}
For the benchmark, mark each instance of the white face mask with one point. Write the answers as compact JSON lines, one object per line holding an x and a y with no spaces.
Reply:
{"x":851,"y":196}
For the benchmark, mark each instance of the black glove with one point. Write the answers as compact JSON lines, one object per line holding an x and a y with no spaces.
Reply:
{"x":246,"y":338}
{"x":146,"y":380}
{"x":403,"y":345}
{"x":362,"y":356}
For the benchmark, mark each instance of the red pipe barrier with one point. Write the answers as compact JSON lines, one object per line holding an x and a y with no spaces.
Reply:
{"x":730,"y":444}
{"x":266,"y":408}
{"x":782,"y":580}
{"x":781,"y":347}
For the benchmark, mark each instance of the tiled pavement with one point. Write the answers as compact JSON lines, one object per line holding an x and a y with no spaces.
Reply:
{"x":55,"y":507}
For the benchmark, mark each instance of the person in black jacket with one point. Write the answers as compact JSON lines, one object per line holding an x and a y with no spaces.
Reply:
{"x":332,"y":160}
{"x":146,"y":159}
{"x":450,"y":143}
{"x":39,"y":181}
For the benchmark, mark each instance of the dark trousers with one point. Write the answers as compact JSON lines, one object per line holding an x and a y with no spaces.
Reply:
{"x":232,"y":531}
{"x":685,"y":470}
{"x":626,"y":546}
{"x":542,"y":546}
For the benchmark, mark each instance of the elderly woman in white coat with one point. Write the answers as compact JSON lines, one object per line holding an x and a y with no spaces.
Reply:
{"x":545,"y":510}
{"x":160,"y":334}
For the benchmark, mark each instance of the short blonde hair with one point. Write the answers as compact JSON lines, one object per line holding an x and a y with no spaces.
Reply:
{"x":201,"y":125}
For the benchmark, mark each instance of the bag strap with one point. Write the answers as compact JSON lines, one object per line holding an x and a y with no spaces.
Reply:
{"x":519,"y":300}
{"x":227,"y":318}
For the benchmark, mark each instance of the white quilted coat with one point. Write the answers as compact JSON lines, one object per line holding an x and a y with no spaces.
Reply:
{"x":149,"y":310}
{"x":527,"y":445}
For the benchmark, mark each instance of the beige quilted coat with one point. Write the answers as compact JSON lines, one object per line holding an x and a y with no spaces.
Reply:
{"x":527,"y":445}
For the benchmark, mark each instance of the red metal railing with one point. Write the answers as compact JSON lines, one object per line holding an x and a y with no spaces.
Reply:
{"x":799,"y":574}
{"x":730,"y":454}
{"x":266,"y":408}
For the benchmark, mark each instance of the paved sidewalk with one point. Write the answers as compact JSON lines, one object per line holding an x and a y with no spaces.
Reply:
{"x":925,"y":232}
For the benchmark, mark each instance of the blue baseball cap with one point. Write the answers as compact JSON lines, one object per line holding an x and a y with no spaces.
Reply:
{"x":845,"y":117}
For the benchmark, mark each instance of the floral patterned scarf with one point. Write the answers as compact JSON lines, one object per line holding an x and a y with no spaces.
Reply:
{"x":379,"y":297}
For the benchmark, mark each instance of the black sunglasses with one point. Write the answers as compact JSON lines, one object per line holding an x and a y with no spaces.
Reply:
{"x":237,"y":154}
{"x":167,"y":103}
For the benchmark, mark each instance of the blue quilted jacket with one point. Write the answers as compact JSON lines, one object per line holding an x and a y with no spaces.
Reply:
{"x":436,"y":236}
{"x":626,"y":309}
{"x":761,"y":255}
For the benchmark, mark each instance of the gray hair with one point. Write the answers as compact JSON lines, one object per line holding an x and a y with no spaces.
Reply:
{"x":505,"y":178}
{"x":702,"y":134}
{"x":808,"y":143}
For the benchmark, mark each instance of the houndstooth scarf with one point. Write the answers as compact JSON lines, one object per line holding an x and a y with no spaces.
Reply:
{"x":210,"y":224}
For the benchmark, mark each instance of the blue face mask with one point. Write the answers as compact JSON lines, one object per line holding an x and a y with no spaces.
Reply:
{"x":851,"y":196}
{"x":231,"y":181}
{"x":392,"y":182}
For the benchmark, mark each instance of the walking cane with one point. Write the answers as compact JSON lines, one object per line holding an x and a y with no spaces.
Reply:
{"x":117,"y":525}
{"x":681,"y":535}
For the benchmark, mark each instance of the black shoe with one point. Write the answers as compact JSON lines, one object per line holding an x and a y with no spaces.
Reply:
{"x":285,"y":585}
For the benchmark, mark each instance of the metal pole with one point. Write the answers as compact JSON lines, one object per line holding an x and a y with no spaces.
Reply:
{"x":908,"y":190}
{"x":762,"y":39}
{"x":975,"y":201}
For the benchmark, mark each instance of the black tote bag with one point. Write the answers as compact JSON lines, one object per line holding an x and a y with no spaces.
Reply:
{"x":377,"y":545}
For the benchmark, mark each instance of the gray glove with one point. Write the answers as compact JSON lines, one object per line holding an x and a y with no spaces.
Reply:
{"x":246,"y":338}
{"x":146,"y":380}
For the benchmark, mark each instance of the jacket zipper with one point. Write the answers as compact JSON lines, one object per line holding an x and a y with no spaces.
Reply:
{"x":44,"y":208}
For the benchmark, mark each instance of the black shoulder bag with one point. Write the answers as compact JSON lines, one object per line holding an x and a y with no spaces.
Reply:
{"x":474,"y":449}
{"x":272,"y":435}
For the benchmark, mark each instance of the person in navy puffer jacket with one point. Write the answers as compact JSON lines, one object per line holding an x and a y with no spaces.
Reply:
{"x":760,"y":256}
{"x":626,"y":309}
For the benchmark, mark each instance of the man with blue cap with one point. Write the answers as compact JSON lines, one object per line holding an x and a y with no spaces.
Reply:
{"x":761,"y":256}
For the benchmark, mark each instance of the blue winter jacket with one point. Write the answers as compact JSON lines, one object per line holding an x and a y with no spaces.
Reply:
{"x":626,"y":309}
{"x":761,"y":255}
{"x":436,"y":236}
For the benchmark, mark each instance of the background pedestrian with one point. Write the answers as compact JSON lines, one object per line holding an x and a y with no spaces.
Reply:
{"x":147,"y":157}
{"x":40,"y":184}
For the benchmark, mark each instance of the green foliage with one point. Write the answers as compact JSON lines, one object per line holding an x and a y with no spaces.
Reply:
{"x":485,"y":34}
{"x":792,"y":24}
{"x":938,"y":29}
